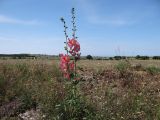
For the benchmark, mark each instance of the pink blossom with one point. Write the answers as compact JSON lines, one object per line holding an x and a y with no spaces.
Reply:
{"x":64,"y":61}
{"x":71,"y":42}
{"x":66,"y":66}
{"x":71,"y":66}
{"x":66,"y":75}
{"x":74,"y":48}
{"x":73,"y":45}
{"x":64,"y":58}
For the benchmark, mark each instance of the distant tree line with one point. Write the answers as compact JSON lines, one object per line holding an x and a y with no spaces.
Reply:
{"x":142,"y":57}
{"x":28,"y":56}
{"x":147,"y":57}
{"x":138,"y":57}
{"x":119,"y":57}
{"x":156,"y":57}
{"x":89,"y":57}
{"x":17,"y":56}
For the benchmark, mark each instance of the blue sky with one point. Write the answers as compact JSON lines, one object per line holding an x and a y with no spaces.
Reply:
{"x":105,"y":27}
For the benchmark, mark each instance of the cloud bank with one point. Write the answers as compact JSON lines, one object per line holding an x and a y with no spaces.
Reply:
{"x":8,"y":20}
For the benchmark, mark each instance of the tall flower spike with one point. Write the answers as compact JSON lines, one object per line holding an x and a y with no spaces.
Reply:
{"x":68,"y":67}
{"x":65,"y":32}
{"x":73,"y":22}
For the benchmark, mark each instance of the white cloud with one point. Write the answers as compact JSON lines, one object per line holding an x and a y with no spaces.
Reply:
{"x":95,"y":19}
{"x":9,"y":20}
{"x":94,"y":16}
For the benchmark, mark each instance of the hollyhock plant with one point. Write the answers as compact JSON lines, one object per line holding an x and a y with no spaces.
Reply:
{"x":72,"y":47}
{"x":72,"y":107}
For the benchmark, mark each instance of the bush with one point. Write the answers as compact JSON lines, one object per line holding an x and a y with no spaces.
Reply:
{"x":156,"y":57}
{"x":89,"y":57}
{"x":153,"y":70}
{"x":122,"y":67}
{"x":117,"y":57}
{"x":110,"y":58}
{"x":27,"y":83}
{"x":142,"y":57}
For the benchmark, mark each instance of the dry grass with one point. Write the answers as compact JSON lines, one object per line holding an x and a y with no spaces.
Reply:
{"x":116,"y":90}
{"x":105,"y":64}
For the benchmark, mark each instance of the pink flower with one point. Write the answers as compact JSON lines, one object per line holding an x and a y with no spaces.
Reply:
{"x":64,"y":62}
{"x":71,"y":66}
{"x":64,"y":58}
{"x":73,"y":45}
{"x":72,"y":52}
{"x":63,"y":67}
{"x":66,"y":75}
{"x":71,"y":42}
{"x":66,"y":66}
{"x":74,"y":48}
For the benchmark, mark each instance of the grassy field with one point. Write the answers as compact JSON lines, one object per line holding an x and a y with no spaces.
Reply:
{"x":109,"y":90}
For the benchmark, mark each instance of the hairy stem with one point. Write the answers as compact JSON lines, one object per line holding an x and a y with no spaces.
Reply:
{"x":65,"y":32}
{"x":73,"y":22}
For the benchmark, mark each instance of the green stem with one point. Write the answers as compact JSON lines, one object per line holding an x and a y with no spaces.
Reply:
{"x":73,"y":22}
{"x":65,"y":32}
{"x":74,"y":66}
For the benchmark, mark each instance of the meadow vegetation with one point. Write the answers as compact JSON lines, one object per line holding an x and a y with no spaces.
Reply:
{"x":107,"y":90}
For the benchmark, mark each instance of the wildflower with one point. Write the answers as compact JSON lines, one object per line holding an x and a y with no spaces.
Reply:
{"x":71,"y":66}
{"x":71,"y":42}
{"x":73,"y":45}
{"x":66,"y":75}
{"x":76,"y":47}
{"x":72,"y":52}
{"x":66,"y":66}
{"x":64,"y":58}
{"x":64,"y":61}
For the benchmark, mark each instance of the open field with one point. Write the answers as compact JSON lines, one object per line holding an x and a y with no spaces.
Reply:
{"x":85,"y":63}
{"x":110,"y":90}
{"x":99,"y":64}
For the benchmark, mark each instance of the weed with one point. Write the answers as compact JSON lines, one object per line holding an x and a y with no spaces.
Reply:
{"x":122,"y":67}
{"x":153,"y":70}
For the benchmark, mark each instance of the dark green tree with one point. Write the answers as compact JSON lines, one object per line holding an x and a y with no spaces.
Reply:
{"x":89,"y":57}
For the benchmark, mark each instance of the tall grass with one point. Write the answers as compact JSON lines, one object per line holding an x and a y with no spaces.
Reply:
{"x":26,"y":85}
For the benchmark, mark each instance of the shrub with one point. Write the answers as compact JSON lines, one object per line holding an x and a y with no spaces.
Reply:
{"x":153,"y":70}
{"x":156,"y":57}
{"x":110,"y":58}
{"x":137,"y":67}
{"x":117,"y":57}
{"x":31,"y":84}
{"x":122,"y":67}
{"x":89,"y":57}
{"x":142,"y":57}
